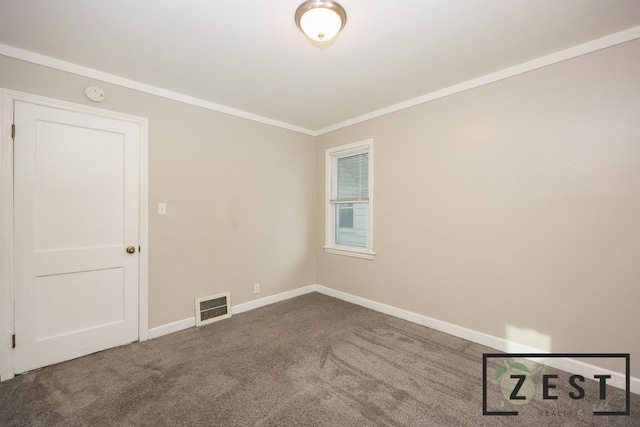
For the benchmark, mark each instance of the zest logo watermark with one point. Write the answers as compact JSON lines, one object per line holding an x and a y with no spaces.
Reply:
{"x":517,"y":384}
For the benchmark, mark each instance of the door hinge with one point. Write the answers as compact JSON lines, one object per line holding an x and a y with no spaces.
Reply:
{"x":13,"y":131}
{"x":13,"y":341}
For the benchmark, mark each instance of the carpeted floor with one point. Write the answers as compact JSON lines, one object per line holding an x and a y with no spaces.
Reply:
{"x":309,"y":361}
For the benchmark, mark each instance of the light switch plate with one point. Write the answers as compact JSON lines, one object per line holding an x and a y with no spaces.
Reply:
{"x":162,"y":208}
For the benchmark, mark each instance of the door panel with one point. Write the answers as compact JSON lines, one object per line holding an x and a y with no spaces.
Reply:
{"x":98,"y":304}
{"x":76,"y":192}
{"x":77,"y":176}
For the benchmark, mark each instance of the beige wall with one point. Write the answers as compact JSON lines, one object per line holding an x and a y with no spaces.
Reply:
{"x":516,"y":204}
{"x":240,"y":195}
{"x":513,"y":205}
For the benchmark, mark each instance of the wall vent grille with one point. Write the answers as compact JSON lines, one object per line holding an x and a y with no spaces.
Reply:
{"x":213,"y":308}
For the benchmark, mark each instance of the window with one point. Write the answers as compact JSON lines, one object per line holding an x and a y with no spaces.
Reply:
{"x":349,"y":201}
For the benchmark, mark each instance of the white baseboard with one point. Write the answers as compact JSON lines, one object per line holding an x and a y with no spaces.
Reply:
{"x":572,"y":366}
{"x":172,"y":327}
{"x":190,"y":322}
{"x":261,"y":302}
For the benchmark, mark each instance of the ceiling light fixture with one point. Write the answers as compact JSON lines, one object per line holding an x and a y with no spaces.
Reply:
{"x":320,"y":20}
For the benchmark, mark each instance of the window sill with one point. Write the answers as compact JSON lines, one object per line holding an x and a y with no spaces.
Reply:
{"x":350,"y":252}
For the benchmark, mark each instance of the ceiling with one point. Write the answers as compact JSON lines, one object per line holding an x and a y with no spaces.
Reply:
{"x":250,"y":56}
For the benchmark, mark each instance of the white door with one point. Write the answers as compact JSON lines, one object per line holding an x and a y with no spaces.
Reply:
{"x":76,"y":188}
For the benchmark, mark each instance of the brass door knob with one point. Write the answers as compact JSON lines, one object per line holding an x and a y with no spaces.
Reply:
{"x":130,"y":249}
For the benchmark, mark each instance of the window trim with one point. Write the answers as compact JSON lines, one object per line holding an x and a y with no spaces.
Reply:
{"x":331,"y":173}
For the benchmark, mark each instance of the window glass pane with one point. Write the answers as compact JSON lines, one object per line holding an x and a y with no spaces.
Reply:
{"x":356,"y":235}
{"x":345,"y":216}
{"x":353,"y":177}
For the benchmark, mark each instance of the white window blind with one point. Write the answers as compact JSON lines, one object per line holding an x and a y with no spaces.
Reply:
{"x":352,"y":179}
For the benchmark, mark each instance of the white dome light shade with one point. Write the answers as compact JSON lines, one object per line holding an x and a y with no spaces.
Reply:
{"x":320,"y":20}
{"x":320,"y":24}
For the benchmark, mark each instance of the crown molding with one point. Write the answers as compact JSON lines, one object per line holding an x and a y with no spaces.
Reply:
{"x":544,"y":61}
{"x":80,"y":70}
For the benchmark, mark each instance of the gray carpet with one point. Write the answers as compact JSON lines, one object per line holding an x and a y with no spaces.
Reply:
{"x":309,"y":361}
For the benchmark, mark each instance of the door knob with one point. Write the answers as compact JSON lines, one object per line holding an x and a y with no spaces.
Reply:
{"x":130,"y":249}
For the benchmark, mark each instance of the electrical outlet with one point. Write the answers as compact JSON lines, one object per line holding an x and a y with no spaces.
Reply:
{"x":256,"y":288}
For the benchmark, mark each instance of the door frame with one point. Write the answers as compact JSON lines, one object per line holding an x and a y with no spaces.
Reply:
{"x":7,"y":313}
